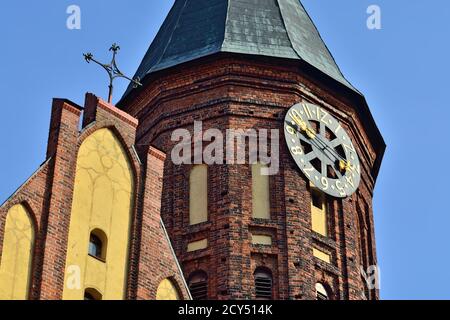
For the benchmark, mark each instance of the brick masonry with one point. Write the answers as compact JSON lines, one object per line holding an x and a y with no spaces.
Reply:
{"x":223,"y":91}
{"x":48,"y":197}
{"x":233,"y":91}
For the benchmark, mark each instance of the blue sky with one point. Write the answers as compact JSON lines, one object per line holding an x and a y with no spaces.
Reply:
{"x":402,"y":69}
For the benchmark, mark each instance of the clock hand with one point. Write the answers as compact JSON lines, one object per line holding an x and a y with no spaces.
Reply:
{"x":311,"y":134}
{"x":304,"y":127}
{"x":344,"y":165}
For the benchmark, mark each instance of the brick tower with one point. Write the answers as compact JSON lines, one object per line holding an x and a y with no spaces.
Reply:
{"x":242,"y":64}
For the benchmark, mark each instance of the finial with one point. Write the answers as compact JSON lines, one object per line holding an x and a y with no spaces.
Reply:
{"x":113,"y":70}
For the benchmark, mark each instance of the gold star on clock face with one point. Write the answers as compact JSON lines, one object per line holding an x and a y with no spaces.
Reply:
{"x":322,"y":150}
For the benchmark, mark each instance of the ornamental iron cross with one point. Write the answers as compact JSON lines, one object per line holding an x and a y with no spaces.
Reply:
{"x":113,"y":70}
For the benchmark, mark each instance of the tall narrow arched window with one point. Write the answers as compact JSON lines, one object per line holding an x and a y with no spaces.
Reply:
{"x":198,"y":195}
{"x":263,"y":284}
{"x":17,"y":254}
{"x":92,"y":294}
{"x":321,"y":292}
{"x":319,"y":212}
{"x":364,"y":248}
{"x":98,"y":244}
{"x":362,"y":237}
{"x":198,"y":285}
{"x":103,"y":199}
{"x":260,"y":192}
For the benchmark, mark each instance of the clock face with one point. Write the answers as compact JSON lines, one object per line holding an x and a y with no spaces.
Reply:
{"x":322,"y":150}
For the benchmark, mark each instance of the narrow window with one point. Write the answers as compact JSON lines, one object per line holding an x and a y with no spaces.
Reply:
{"x":198,"y":285}
{"x":263,"y":284}
{"x":198,"y":195}
{"x":17,"y":254}
{"x":260,"y":193}
{"x":317,"y":199}
{"x":97,"y":245}
{"x":319,"y":214}
{"x":92,"y":294}
{"x":321,"y":292}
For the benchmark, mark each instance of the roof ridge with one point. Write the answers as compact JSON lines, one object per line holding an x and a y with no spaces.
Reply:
{"x":222,"y":46}
{"x":285,"y":26}
{"x":173,"y":31}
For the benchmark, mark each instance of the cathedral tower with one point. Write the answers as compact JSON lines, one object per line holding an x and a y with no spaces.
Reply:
{"x":304,"y":232}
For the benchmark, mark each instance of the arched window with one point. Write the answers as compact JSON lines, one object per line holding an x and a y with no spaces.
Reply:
{"x":362,"y":237}
{"x":260,"y":192}
{"x":92,"y":294}
{"x":198,"y":285}
{"x":97,"y":244}
{"x":321,"y":292}
{"x":17,"y":254}
{"x":319,"y":214}
{"x":167,"y":291}
{"x":263,"y":284}
{"x":198,"y":195}
{"x":103,"y":198}
{"x":365,"y":245}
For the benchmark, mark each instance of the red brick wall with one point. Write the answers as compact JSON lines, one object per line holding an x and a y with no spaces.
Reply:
{"x":48,"y":195}
{"x":235,"y":92}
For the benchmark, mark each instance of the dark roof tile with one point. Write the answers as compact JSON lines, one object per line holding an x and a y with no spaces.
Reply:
{"x":274,"y":28}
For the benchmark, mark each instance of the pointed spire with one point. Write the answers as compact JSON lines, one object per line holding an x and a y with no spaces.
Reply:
{"x":273,"y":28}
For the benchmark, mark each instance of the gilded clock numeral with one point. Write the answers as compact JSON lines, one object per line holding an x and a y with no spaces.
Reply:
{"x":297,"y":118}
{"x":350,"y":148}
{"x":307,"y":111}
{"x":340,"y":188}
{"x":297,"y":150}
{"x":325,"y":183}
{"x":350,"y":181}
{"x":318,"y":113}
{"x":290,"y":130}
{"x":295,"y":115}
{"x":308,"y":171}
{"x":321,"y":117}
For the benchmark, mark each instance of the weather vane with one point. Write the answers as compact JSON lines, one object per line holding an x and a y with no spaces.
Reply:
{"x":113,"y":70}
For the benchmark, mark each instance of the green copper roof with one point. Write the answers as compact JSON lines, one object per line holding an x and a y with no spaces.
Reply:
{"x":273,"y":28}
